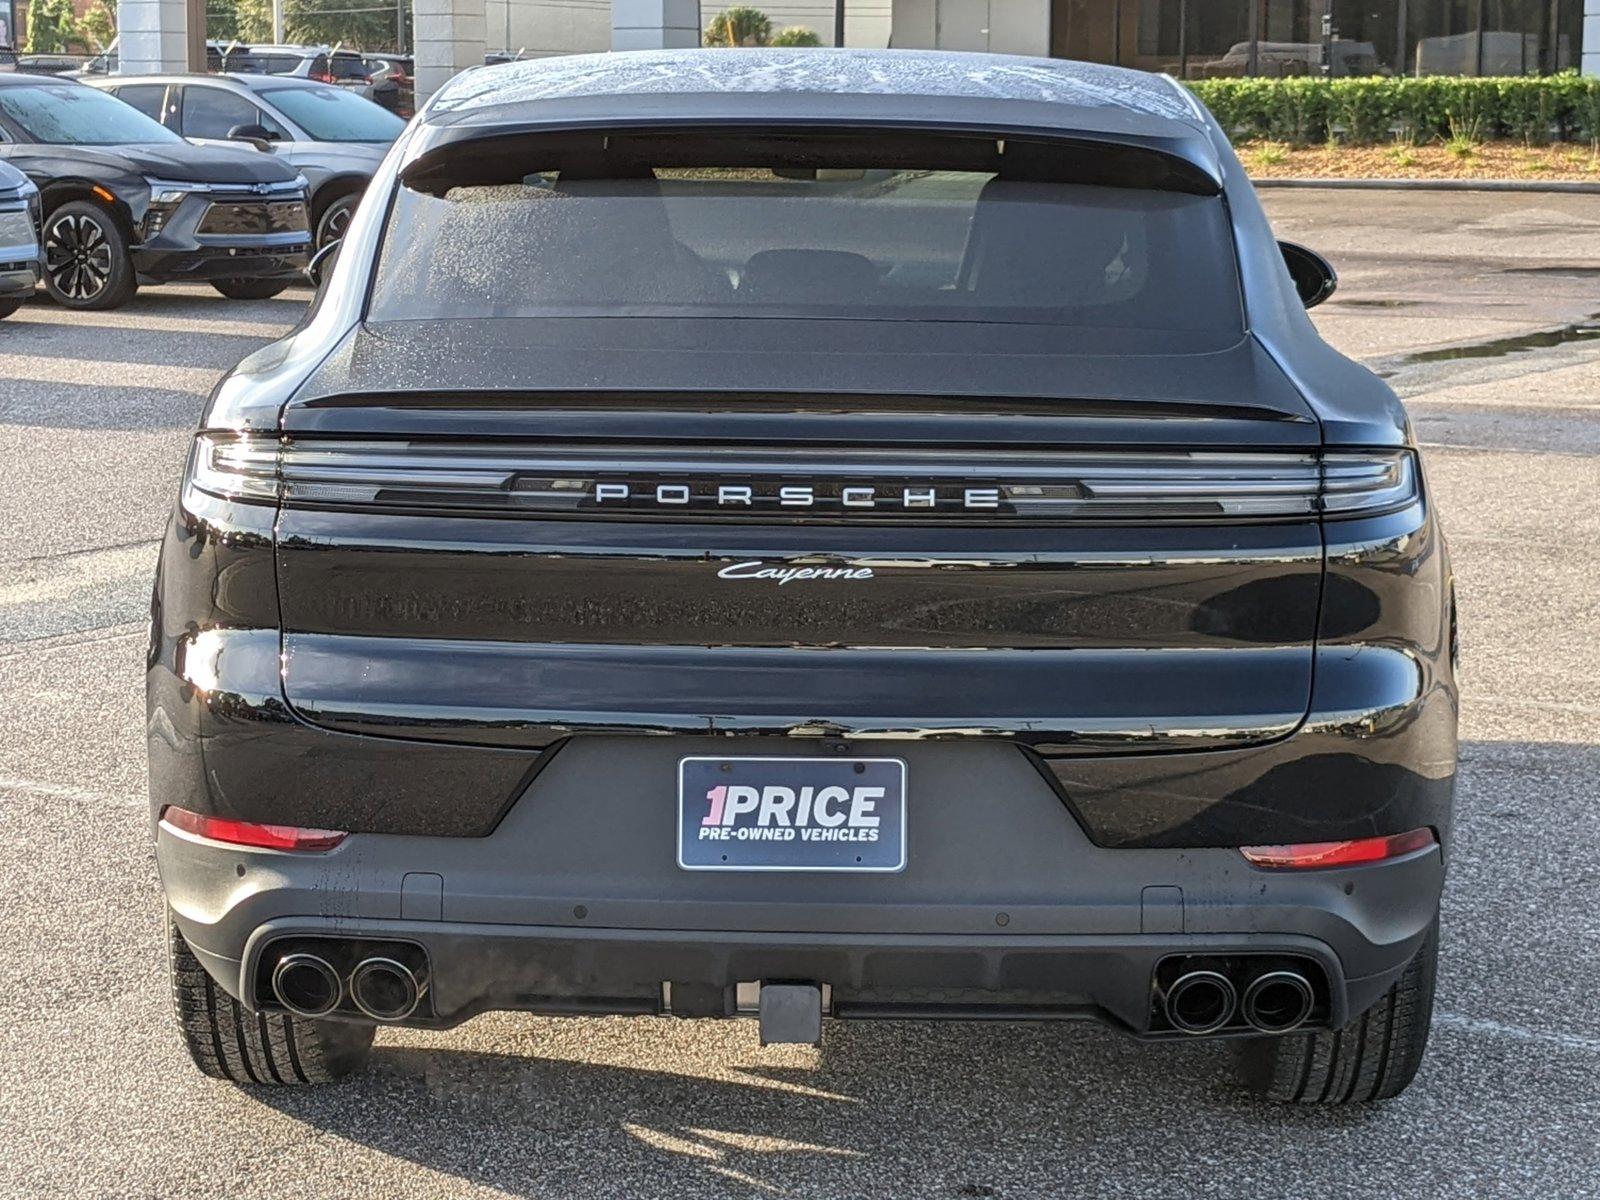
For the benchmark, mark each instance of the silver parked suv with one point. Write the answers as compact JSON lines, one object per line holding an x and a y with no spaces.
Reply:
{"x":335,"y":138}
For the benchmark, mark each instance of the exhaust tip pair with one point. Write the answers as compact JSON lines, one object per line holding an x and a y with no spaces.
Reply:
{"x":381,"y":988}
{"x":1202,"y":1002}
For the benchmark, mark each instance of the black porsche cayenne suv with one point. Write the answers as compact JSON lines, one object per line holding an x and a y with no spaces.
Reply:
{"x":127,"y":201}
{"x":807,"y":534}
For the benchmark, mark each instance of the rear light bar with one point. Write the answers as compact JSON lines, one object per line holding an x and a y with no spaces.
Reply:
{"x":249,"y":833}
{"x":1310,"y":855}
{"x":765,"y":483}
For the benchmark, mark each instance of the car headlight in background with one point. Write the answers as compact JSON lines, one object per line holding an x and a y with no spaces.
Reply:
{"x":170,"y":191}
{"x":165,"y":196}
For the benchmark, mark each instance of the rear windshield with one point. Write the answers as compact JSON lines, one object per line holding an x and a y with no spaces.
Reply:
{"x":958,"y":240}
{"x":347,"y":66}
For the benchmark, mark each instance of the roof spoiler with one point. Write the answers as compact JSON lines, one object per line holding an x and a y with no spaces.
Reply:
{"x":469,"y":155}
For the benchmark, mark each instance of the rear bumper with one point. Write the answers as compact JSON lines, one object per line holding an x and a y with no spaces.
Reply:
{"x":1006,"y":908}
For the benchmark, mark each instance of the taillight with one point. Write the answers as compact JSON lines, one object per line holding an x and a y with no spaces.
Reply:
{"x":1309,"y":855}
{"x":756,"y":482}
{"x":250,"y":833}
{"x":235,"y":467}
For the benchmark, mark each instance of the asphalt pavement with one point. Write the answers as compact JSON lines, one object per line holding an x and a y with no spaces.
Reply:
{"x":1483,"y":310}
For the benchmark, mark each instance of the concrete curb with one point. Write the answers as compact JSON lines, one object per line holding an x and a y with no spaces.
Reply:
{"x":1435,"y":185}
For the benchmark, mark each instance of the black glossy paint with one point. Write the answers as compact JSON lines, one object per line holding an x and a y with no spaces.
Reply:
{"x":1162,"y":687}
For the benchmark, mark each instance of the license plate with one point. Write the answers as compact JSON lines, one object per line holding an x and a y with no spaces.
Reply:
{"x":791,"y":814}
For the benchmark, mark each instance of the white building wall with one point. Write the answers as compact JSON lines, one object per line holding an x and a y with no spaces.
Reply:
{"x":540,"y":28}
{"x":1591,"y":37}
{"x":914,"y":24}
{"x":655,"y":24}
{"x":153,"y":36}
{"x":1019,"y":26}
{"x":449,"y":38}
{"x":1000,"y":26}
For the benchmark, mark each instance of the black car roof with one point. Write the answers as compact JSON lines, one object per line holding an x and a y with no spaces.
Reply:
{"x":921,"y":89}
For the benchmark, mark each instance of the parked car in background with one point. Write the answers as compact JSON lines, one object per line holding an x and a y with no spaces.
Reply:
{"x":19,"y":238}
{"x":104,"y":63}
{"x":332,"y":136}
{"x":320,"y":63}
{"x":400,"y":71}
{"x":231,"y":56}
{"x":48,"y":64}
{"x":126,"y":201}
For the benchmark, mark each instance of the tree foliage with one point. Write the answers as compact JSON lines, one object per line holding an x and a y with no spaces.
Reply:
{"x":99,"y":24}
{"x":52,"y":26}
{"x":239,"y":20}
{"x":741,"y":25}
{"x":796,"y":35}
{"x":312,"y":22}
{"x":319,"y":22}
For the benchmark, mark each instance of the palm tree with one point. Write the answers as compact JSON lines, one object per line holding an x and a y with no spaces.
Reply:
{"x":741,"y":25}
{"x":796,"y":35}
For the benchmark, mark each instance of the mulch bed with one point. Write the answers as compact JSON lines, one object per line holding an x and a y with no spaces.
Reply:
{"x":1564,"y":161}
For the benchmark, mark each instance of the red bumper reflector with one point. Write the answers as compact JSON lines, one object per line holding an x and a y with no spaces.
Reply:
{"x":249,"y":833}
{"x":1339,"y":854}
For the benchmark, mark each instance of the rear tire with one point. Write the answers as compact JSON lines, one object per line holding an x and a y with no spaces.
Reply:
{"x":227,"y":1042}
{"x":86,"y":261}
{"x":7,"y":307}
{"x":1374,"y":1057}
{"x":250,"y":289}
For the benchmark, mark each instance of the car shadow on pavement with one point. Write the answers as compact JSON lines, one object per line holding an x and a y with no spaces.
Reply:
{"x":929,"y":1109}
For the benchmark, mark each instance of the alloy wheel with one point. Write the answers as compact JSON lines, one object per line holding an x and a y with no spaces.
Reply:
{"x":77,"y":256}
{"x":333,"y":229}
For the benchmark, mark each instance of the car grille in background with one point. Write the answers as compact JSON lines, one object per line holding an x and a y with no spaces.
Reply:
{"x":767,"y":484}
{"x":254,"y":217}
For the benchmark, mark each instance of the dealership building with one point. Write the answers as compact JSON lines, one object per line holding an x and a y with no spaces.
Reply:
{"x":1192,"y":39}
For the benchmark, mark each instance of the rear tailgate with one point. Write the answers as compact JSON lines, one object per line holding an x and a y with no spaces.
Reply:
{"x":532,"y":610}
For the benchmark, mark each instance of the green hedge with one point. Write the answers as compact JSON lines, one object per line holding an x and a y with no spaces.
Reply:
{"x":1530,"y":108}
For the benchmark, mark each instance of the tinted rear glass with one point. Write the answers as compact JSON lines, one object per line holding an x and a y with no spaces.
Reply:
{"x":895,"y":242}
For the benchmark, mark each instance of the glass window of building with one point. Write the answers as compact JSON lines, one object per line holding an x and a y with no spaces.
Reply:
{"x":1207,"y":39}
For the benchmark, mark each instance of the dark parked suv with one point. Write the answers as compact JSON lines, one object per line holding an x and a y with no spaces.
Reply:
{"x":807,"y":534}
{"x":128,"y":202}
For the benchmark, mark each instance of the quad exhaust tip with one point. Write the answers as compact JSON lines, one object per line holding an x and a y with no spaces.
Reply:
{"x":386,"y":990}
{"x":1201,"y":1002}
{"x":1278,"y":1001}
{"x":307,"y":985}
